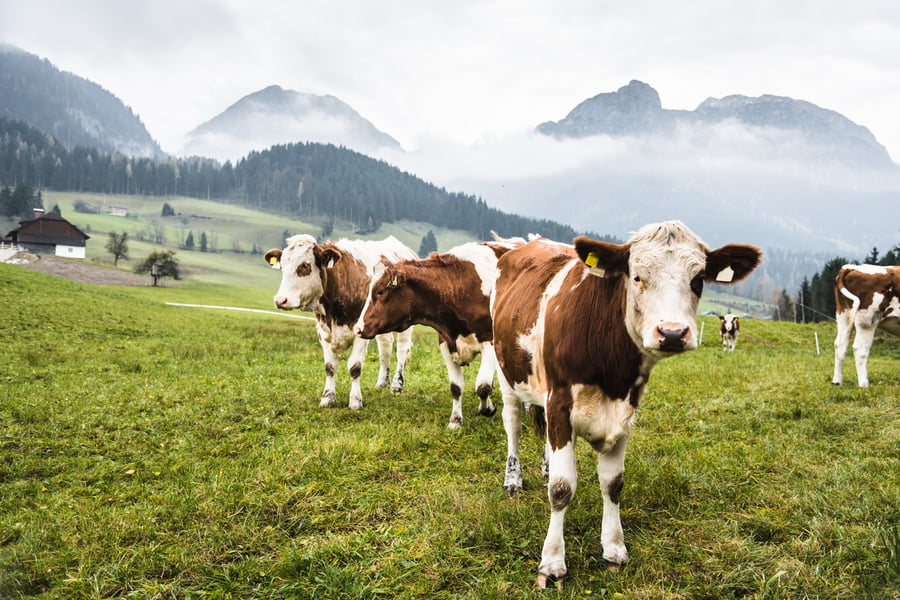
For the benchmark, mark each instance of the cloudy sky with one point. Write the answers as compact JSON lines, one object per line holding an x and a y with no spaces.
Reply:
{"x":470,"y":71}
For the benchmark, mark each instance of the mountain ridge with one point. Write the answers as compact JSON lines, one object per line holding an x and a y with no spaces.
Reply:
{"x":274,"y":115}
{"x":76,"y":111}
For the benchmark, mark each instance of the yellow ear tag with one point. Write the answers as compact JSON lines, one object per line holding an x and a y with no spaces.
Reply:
{"x":273,"y":260}
{"x":394,"y":281}
{"x":726,"y":275}
{"x":591,"y":261}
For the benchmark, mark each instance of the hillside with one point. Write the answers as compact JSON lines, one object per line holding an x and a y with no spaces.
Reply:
{"x":75,"y":111}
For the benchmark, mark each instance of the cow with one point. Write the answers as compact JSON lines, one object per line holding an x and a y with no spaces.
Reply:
{"x":729,"y":327}
{"x":865,"y":296}
{"x":450,"y":293}
{"x":577,"y":331}
{"x":331,"y":279}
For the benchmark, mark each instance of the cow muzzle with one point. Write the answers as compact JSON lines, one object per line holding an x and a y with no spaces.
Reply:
{"x":672,"y":337}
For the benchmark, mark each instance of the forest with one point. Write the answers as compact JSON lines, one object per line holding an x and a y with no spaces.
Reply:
{"x":319,"y":182}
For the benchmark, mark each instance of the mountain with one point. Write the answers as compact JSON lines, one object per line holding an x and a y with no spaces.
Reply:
{"x":277,"y":116}
{"x":75,"y":111}
{"x":636,"y":109}
{"x":773,"y":171}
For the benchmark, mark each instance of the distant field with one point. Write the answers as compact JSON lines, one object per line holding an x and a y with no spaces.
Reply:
{"x":152,"y":452}
{"x":230,"y":226}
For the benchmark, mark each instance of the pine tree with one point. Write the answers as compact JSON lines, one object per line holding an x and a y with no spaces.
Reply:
{"x":428,"y":245}
{"x":189,"y":242}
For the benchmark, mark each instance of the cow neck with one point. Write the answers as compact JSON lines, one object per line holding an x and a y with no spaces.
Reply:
{"x":447,"y":302}
{"x":596,"y":348}
{"x":344,"y":290}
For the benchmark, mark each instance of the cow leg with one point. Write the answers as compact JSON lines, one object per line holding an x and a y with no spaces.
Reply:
{"x":484,"y":381}
{"x":512,"y":423}
{"x":862,"y":343}
{"x":560,"y":490}
{"x":404,"y":345}
{"x":331,"y":365}
{"x":610,"y":470}
{"x":385,"y":343}
{"x":354,"y":367}
{"x":841,"y":341}
{"x":455,"y":375}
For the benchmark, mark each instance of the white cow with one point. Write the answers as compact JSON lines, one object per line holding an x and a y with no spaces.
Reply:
{"x":867,"y":297}
{"x":332,"y":279}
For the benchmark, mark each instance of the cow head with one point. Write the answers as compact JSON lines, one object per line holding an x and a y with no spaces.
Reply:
{"x":665,"y":266}
{"x":729,"y":323}
{"x":301,"y":263}
{"x":384,"y":310}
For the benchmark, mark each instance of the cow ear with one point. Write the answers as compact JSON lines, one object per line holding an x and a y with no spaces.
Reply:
{"x":273,"y":258}
{"x":326,"y":256}
{"x":721,"y":317}
{"x":602,"y":258}
{"x":398,"y":279}
{"x":731,"y":263}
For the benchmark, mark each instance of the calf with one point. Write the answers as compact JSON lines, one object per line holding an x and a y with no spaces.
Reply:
{"x":577,"y":331}
{"x":865,"y":296}
{"x":729,"y":327}
{"x":450,"y":293}
{"x":331,"y":279}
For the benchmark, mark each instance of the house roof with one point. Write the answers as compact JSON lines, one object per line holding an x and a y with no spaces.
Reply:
{"x":49,"y":229}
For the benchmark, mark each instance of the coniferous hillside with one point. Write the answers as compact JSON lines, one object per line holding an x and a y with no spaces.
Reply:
{"x":75,"y":111}
{"x":319,"y":182}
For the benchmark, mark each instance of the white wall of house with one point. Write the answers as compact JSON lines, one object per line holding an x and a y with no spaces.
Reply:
{"x":70,"y":251}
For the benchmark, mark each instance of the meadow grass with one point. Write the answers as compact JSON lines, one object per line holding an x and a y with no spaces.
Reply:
{"x":153,"y":451}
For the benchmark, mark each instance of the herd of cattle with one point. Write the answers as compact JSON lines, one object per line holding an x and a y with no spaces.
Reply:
{"x":570,"y":330}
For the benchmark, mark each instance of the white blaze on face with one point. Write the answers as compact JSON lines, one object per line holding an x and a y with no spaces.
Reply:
{"x":301,"y":284}
{"x":666,"y":268}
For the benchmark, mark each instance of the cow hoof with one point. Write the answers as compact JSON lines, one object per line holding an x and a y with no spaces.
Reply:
{"x":487,"y":411}
{"x":837,"y":383}
{"x":452,"y":425}
{"x":512,"y":489}
{"x":551,"y":581}
{"x":327,"y":400}
{"x":397,"y":388}
{"x":382,"y":384}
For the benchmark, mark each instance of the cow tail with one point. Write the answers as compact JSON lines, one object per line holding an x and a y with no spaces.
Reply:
{"x":539,"y":420}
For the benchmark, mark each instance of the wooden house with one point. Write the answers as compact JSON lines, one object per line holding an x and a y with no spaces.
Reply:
{"x":50,"y":234}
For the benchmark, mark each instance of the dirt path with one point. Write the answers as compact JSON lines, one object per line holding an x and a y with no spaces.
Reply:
{"x":78,"y":270}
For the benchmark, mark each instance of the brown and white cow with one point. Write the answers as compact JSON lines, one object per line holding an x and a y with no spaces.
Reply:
{"x":450,"y":293}
{"x":729,"y":327}
{"x":332,"y":279}
{"x":577,"y":331}
{"x":867,"y":297}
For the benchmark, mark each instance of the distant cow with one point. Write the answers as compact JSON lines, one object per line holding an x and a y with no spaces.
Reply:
{"x":865,"y":296}
{"x":729,"y":327}
{"x":577,"y":331}
{"x":449,"y":292}
{"x":331,"y":279}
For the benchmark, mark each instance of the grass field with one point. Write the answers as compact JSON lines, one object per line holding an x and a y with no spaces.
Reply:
{"x":154,"y":451}
{"x":227,"y":226}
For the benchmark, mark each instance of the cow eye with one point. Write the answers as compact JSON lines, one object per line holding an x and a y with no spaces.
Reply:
{"x":637,"y":281}
{"x":697,"y":285}
{"x":303,"y":269}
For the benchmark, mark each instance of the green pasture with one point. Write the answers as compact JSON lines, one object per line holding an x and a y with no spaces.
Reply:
{"x":231,"y":227}
{"x":150,"y":451}
{"x":232,"y":232}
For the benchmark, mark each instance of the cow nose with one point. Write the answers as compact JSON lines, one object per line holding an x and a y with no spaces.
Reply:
{"x":281,"y":301}
{"x":672,"y":337}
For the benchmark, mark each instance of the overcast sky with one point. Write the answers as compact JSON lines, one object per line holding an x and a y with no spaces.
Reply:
{"x":467,"y":71}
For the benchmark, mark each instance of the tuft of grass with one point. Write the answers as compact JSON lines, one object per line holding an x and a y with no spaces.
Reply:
{"x":153,"y":451}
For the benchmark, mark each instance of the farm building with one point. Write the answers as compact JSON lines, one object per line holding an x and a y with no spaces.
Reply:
{"x":49,"y":234}
{"x":117,"y":210}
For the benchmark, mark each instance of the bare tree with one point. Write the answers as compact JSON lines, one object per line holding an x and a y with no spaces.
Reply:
{"x":117,"y":245}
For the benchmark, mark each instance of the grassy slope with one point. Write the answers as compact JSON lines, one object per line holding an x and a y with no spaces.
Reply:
{"x":150,"y":451}
{"x":233,"y":226}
